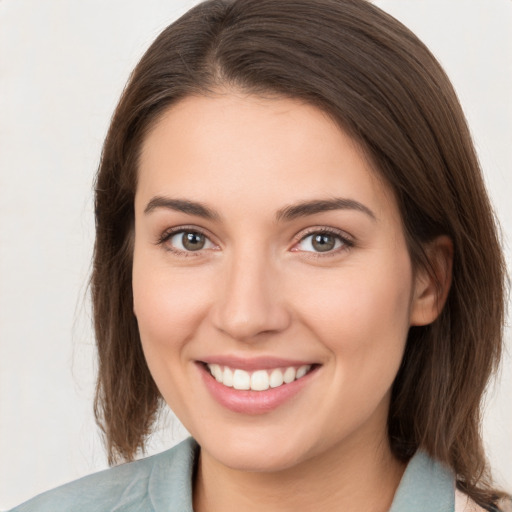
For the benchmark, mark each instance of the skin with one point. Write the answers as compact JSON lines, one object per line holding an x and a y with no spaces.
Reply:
{"x":259,"y":288}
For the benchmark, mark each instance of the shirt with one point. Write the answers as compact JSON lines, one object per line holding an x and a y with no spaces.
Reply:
{"x":163,"y":483}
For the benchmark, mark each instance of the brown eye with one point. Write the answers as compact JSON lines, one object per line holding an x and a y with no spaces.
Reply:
{"x":190,"y":241}
{"x":193,"y":241}
{"x":322,"y":242}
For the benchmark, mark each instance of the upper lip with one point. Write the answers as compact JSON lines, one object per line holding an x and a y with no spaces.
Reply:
{"x":254,"y":363}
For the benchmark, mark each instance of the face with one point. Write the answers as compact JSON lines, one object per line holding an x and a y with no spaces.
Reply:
{"x":272,"y":283}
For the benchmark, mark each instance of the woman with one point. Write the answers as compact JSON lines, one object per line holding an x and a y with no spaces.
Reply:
{"x":290,"y":223}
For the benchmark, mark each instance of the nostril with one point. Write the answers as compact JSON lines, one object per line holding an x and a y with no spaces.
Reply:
{"x":252,"y":322}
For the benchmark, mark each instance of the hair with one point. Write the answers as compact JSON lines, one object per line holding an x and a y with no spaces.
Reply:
{"x":385,"y":89}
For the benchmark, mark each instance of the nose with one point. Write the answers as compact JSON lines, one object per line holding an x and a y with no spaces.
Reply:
{"x":250,"y":300}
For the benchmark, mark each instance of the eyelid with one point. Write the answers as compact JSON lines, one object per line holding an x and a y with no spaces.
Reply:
{"x":167,"y":234}
{"x":346,"y":239}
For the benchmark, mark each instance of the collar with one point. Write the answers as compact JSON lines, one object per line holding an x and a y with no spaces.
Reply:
{"x":426,"y":486}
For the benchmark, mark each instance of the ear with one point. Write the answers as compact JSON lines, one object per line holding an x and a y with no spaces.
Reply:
{"x":431,"y":285}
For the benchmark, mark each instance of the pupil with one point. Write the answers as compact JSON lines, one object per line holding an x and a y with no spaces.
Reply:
{"x":323,"y":243}
{"x":193,"y":241}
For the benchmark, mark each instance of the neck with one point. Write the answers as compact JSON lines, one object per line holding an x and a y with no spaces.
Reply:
{"x":364,"y":477}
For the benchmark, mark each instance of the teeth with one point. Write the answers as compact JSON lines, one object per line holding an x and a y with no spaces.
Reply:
{"x":216,"y":372}
{"x":241,"y":379}
{"x":260,"y":380}
{"x":276,"y":378}
{"x":289,"y":375}
{"x":227,"y":377}
{"x":302,"y":371}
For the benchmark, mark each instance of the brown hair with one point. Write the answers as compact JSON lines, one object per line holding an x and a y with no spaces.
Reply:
{"x":383,"y":87}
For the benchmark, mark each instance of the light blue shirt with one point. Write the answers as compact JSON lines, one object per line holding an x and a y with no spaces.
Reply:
{"x":163,"y":483}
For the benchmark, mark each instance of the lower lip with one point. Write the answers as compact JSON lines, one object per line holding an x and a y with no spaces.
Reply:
{"x":253,"y":402}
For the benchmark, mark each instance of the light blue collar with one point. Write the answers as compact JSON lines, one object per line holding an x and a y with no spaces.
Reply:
{"x":426,"y":486}
{"x":170,"y":482}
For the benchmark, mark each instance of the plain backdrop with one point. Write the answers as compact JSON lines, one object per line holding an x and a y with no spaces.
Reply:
{"x":63,"y":64}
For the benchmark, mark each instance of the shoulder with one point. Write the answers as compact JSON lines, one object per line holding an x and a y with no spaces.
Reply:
{"x":143,"y":485}
{"x":464,"y":503}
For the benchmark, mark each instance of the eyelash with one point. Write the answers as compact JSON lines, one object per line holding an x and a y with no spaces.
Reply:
{"x":168,"y":234}
{"x":346,"y":241}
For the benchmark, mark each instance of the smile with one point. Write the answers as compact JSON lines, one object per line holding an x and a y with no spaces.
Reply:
{"x":259,"y":380}
{"x":256,"y":385}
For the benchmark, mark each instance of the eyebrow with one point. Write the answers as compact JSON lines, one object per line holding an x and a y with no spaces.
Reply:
{"x":306,"y":208}
{"x":288,"y":213}
{"x":181,"y":205}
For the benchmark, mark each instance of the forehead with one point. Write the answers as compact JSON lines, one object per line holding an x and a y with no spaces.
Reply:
{"x":232,"y":147}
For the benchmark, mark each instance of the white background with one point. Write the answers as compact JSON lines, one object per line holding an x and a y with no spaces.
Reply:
{"x":63,"y":65}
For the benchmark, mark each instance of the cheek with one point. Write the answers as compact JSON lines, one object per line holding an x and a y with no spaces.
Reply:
{"x":362,"y":317}
{"x":168,"y":304}
{"x":169,"y":307}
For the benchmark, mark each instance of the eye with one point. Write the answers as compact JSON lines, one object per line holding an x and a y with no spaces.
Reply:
{"x":322,"y":241}
{"x":188,"y":241}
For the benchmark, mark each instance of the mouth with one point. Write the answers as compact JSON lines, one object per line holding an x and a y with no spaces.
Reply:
{"x":257,"y":386}
{"x":258,"y":380}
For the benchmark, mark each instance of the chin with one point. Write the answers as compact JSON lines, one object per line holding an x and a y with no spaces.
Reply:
{"x":258,"y":453}
{"x":257,"y":460}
